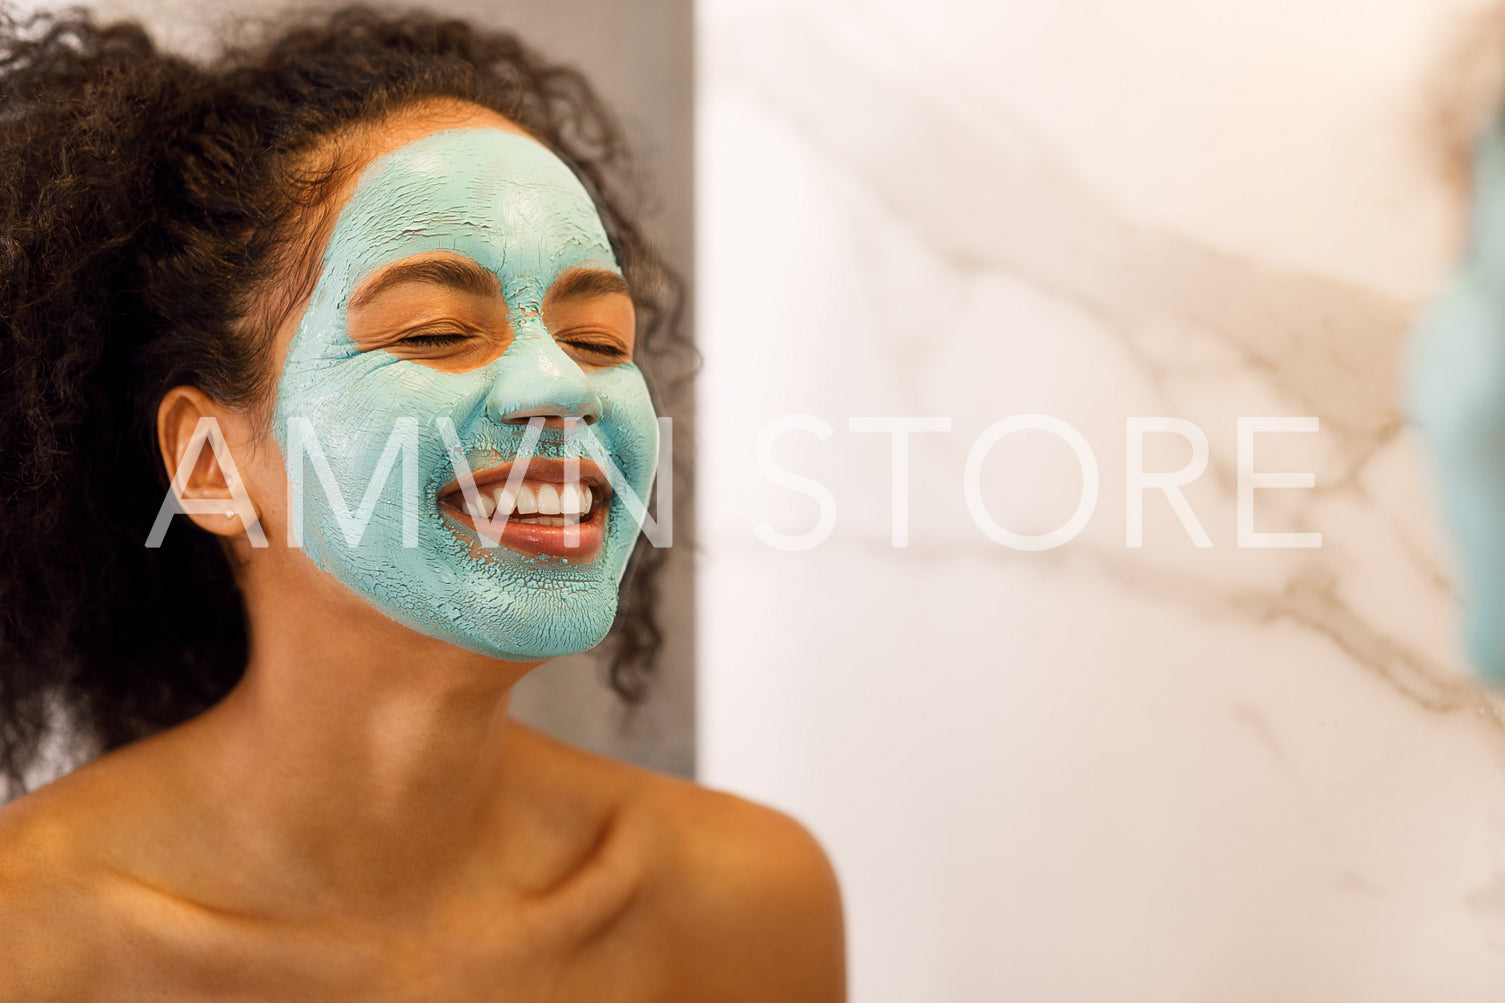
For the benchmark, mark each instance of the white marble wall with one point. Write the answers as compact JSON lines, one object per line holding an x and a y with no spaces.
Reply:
{"x":1094,"y":772}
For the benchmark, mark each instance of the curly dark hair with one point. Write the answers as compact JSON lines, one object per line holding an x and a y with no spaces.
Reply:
{"x":149,"y":211}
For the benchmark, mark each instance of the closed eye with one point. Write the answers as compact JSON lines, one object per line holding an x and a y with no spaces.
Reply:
{"x":434,"y":339}
{"x":592,"y":316}
{"x":606,"y":348}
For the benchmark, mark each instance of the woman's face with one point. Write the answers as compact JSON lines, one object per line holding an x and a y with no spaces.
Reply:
{"x":469,"y":302}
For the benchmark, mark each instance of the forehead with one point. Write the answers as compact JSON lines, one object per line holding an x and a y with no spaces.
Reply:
{"x":492,"y":194}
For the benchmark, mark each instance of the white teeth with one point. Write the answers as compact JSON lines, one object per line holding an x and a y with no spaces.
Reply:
{"x":543,"y":501}
{"x":548,"y":499}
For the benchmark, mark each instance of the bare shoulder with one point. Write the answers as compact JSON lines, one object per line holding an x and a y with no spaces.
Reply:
{"x":738,"y":901}
{"x":754,"y":898}
{"x":46,"y":930}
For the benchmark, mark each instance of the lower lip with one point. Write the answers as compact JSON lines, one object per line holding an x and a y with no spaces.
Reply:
{"x":543,"y":541}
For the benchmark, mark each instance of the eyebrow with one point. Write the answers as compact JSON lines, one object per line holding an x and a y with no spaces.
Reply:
{"x":584,"y":283}
{"x":461,"y":274}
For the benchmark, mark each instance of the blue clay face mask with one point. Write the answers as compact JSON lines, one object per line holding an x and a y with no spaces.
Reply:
{"x":363,"y":429}
{"x":1457,"y":399}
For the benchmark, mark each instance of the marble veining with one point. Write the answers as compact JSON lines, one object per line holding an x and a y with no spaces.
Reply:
{"x":1249,"y":774}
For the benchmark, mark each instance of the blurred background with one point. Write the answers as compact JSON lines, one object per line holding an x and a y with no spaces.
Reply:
{"x":1158,"y":773}
{"x":1096,"y":772}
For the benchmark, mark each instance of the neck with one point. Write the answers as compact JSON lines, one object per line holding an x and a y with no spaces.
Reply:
{"x":359,"y":760}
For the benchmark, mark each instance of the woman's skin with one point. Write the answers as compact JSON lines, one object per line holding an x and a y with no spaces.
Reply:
{"x":360,"y":819}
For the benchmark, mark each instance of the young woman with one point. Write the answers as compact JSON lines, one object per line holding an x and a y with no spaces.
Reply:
{"x":366,"y":298}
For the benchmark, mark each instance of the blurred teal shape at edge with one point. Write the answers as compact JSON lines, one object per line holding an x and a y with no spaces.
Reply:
{"x":1456,"y":398}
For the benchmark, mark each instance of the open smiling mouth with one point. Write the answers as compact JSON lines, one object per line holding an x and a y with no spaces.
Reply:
{"x":546,"y":514}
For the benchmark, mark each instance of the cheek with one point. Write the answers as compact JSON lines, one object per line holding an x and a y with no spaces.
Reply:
{"x":632,"y":422}
{"x":357,"y":403}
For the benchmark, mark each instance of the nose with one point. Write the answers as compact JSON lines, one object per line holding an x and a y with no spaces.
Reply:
{"x":536,"y":379}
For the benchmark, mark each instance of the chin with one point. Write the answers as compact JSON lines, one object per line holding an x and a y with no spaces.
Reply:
{"x":498,"y":603}
{"x":539,"y":631}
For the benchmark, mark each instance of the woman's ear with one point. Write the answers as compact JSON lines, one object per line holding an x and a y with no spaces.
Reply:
{"x":192,"y":435}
